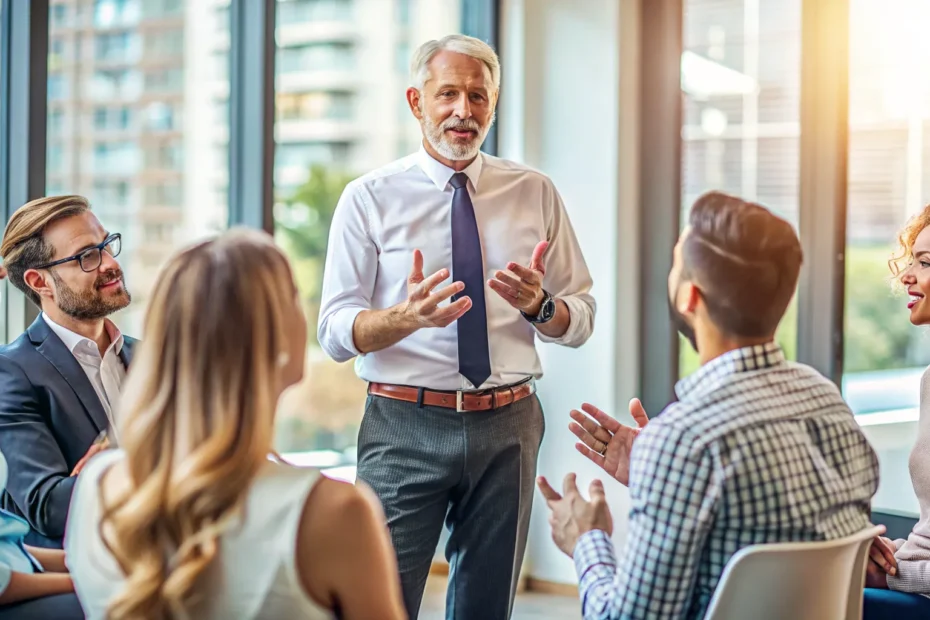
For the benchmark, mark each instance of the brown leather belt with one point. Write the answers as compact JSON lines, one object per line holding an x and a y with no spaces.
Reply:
{"x":460,"y":401}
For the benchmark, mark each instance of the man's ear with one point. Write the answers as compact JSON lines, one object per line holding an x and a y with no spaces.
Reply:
{"x":39,"y":282}
{"x":413,"y":100}
{"x":689,"y":299}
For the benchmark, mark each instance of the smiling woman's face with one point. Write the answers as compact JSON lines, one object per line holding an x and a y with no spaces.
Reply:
{"x":916,"y":278}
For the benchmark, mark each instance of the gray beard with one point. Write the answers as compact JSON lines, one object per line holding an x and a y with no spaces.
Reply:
{"x":436,"y":136}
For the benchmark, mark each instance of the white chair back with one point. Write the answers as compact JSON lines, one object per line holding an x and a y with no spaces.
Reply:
{"x":795,"y":581}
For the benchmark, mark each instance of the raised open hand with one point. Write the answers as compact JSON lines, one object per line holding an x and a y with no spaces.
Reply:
{"x":422,"y":304}
{"x":605,"y":441}
{"x":571,"y":515}
{"x":522,"y":287}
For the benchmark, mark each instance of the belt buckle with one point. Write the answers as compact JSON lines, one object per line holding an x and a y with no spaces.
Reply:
{"x":460,"y":401}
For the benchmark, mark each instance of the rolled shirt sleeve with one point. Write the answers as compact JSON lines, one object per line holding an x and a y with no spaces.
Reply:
{"x":567,"y":276}
{"x":349,"y":275}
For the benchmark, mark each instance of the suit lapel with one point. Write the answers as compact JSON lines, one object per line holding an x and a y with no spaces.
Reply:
{"x":50,"y":346}
{"x":125,"y":354}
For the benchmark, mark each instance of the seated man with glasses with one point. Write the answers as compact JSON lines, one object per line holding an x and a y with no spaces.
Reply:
{"x":60,"y":380}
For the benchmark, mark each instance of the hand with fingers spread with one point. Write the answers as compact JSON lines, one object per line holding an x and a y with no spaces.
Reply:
{"x":605,"y":441}
{"x":422,"y":305}
{"x":881,"y":563}
{"x":572,"y":515}
{"x":522,"y":287}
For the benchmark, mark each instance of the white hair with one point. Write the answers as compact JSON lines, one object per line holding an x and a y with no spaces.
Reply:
{"x":460,"y":44}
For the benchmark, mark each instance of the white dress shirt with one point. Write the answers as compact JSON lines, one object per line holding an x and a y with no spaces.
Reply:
{"x":385,"y":215}
{"x":105,"y":373}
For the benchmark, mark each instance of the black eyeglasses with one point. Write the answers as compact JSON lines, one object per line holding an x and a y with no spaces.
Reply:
{"x":91,"y":258}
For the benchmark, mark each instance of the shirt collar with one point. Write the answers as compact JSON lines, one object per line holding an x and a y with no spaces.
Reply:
{"x":73,"y":340}
{"x":440,"y":174}
{"x":709,"y":376}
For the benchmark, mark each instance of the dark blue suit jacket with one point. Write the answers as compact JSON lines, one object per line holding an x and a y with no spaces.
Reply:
{"x":49,"y":417}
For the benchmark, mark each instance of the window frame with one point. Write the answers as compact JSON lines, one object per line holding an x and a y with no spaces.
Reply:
{"x":822,"y":197}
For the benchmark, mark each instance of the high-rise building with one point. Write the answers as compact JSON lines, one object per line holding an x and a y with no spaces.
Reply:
{"x":342,"y":69}
{"x":117,"y":107}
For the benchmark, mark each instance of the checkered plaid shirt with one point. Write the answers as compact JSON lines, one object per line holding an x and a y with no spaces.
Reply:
{"x":756,"y":450}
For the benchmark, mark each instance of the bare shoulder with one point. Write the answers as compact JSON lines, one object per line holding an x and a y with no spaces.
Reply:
{"x":334,"y":501}
{"x":338,"y":515}
{"x":337,"y":527}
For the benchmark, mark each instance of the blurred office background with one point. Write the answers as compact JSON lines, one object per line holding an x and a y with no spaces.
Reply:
{"x":179,"y":118}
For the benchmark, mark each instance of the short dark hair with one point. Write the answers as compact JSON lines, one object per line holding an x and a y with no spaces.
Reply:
{"x":24,"y":246}
{"x":745,"y":261}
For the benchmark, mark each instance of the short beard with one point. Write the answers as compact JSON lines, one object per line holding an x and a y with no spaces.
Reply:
{"x":90,"y":305}
{"x":679,"y":322}
{"x":455,"y":151}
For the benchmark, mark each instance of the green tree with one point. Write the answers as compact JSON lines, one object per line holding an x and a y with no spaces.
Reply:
{"x":878,"y":334}
{"x":302,"y":224}
{"x":323,"y":411}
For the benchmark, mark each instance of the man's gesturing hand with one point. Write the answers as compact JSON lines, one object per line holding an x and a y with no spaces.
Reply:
{"x":525,"y":291}
{"x":422,"y":305}
{"x":605,"y":441}
{"x":571,"y":516}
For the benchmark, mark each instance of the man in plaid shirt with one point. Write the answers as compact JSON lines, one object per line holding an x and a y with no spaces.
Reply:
{"x":756,"y":449}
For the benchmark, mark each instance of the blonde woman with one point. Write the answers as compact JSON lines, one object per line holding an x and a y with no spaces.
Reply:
{"x":898,"y":578}
{"x":191,"y":519}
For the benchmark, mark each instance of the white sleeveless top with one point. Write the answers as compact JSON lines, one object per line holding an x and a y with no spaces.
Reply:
{"x":254,"y":576}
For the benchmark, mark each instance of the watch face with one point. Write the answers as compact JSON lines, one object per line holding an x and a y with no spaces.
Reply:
{"x":548,"y":309}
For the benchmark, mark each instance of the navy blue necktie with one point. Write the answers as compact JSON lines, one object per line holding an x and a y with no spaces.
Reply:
{"x":468,"y":268}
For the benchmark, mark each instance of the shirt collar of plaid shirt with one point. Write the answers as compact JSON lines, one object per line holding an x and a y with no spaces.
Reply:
{"x":708,"y":377}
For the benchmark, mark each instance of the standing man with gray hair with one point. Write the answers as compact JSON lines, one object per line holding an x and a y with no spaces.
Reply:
{"x":452,"y":424}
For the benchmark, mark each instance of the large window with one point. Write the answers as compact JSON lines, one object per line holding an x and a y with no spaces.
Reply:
{"x":118,"y":140}
{"x":357,"y":126}
{"x":740,"y":76}
{"x":888,"y":180}
{"x":139,"y":107}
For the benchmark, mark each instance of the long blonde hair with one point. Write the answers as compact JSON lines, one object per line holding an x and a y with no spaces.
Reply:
{"x":197,"y":417}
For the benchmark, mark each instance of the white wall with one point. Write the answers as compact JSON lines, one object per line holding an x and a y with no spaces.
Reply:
{"x":560,"y":113}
